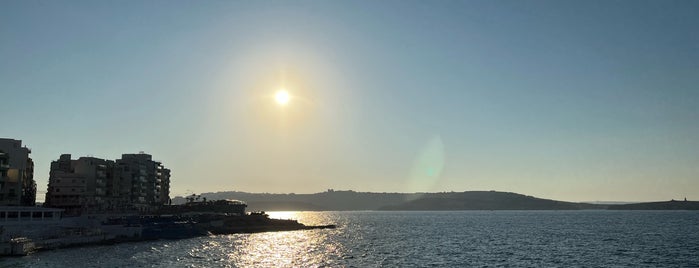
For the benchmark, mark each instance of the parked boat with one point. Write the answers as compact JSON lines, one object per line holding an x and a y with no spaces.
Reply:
{"x":19,"y":246}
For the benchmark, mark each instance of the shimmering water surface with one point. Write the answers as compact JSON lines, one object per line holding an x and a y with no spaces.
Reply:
{"x":400,"y":239}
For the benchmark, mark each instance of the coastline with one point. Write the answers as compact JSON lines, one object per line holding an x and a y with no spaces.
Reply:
{"x":91,"y":231}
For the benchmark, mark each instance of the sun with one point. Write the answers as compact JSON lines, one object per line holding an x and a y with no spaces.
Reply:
{"x":282,"y":97}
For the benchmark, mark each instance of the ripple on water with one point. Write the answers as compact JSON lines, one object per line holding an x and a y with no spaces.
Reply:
{"x":457,"y":239}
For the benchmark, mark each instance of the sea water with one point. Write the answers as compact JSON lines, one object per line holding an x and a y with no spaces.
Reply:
{"x":420,"y":239}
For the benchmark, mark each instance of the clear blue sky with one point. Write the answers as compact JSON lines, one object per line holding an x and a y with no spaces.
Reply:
{"x":571,"y":100}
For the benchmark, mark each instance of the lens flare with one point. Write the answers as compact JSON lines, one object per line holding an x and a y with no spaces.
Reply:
{"x":428,"y":166}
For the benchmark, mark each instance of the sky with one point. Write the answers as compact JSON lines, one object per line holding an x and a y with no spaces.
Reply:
{"x":568,"y":100}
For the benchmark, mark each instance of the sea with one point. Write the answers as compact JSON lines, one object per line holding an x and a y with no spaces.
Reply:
{"x":586,"y":238}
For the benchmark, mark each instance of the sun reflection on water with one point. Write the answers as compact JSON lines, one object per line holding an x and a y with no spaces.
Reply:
{"x":306,"y":248}
{"x":309,"y":248}
{"x":285,"y":215}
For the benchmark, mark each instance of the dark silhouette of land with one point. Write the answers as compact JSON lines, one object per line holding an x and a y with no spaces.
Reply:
{"x":470,"y":200}
{"x":667,"y":205}
{"x":487,"y":201}
{"x":329,"y":200}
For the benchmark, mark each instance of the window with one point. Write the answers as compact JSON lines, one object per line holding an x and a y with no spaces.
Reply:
{"x":36,"y":214}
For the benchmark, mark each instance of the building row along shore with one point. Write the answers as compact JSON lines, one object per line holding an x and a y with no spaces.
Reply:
{"x":81,"y":193}
{"x":133,"y":183}
{"x":96,"y":201}
{"x":92,"y":185}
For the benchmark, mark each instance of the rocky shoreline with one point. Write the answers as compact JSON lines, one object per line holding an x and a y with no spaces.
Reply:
{"x":152,"y":227}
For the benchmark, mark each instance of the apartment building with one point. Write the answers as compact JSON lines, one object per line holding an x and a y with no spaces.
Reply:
{"x":93,"y":185}
{"x":146,"y":182}
{"x":79,"y":185}
{"x":17,"y":185}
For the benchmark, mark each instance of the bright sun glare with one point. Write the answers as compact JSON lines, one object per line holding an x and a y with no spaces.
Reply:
{"x":282,"y":97}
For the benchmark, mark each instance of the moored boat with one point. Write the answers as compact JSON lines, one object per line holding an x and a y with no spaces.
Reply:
{"x":18,"y":246}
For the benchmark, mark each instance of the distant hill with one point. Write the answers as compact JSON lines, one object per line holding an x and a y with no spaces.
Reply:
{"x":351,"y":200}
{"x":470,"y":200}
{"x":667,"y":205}
{"x":284,"y":206}
{"x":487,"y":201}
{"x":330,"y":200}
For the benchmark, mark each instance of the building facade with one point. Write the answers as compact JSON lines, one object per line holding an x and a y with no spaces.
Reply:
{"x":144,"y":181}
{"x":93,"y":185}
{"x":17,"y":185}
{"x":79,"y":185}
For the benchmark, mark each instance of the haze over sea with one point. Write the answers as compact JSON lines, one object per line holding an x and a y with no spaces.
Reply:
{"x":398,"y":239}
